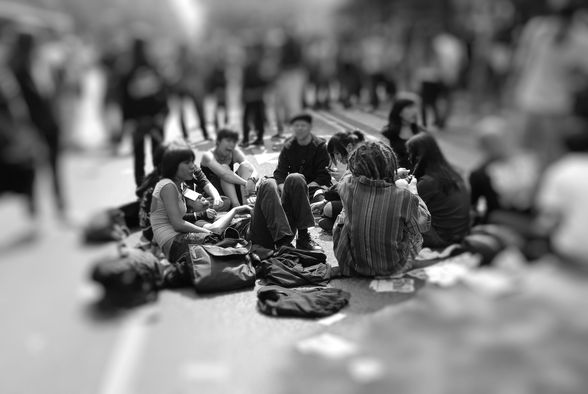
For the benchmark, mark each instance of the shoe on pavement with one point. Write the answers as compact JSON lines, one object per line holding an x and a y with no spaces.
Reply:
{"x":258,"y":142}
{"x":244,"y":144}
{"x":305,"y":242}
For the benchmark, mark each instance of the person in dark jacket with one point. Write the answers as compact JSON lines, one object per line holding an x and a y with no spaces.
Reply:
{"x":254,"y":87}
{"x":304,"y":153}
{"x":304,"y":156}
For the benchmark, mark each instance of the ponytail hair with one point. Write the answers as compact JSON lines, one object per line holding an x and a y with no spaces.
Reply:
{"x":339,"y":142}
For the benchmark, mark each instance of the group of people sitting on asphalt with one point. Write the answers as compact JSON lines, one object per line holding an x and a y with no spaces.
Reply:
{"x":392,"y":200}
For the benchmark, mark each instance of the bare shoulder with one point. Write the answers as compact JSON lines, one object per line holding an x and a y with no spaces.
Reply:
{"x":207,"y":157}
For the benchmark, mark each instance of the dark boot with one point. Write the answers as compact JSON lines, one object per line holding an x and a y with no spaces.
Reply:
{"x":305,"y":242}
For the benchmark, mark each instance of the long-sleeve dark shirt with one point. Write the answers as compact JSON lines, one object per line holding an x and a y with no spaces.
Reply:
{"x":309,"y":160}
{"x":450,"y":213}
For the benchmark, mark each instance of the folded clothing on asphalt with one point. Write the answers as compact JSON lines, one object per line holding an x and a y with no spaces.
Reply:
{"x":291,"y":267}
{"x":304,"y":302}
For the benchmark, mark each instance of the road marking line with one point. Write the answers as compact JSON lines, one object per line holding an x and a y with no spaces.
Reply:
{"x":344,"y":125}
{"x":327,"y":321}
{"x":328,"y":120}
{"x":122,"y":365}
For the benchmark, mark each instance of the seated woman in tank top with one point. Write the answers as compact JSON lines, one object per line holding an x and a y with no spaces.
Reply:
{"x":270,"y":227}
{"x":168,"y":206}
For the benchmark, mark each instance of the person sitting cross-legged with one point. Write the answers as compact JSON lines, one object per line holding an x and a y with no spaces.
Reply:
{"x":378,"y":233}
{"x":303,"y":163}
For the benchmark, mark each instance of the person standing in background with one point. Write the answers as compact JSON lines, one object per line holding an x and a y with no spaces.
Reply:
{"x":40,"y":108}
{"x":253,"y":95}
{"x":145,"y":96}
{"x":551,"y":62}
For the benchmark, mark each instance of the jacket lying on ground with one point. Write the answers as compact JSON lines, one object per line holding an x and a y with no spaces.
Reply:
{"x":313,"y":302}
{"x":290,"y":267}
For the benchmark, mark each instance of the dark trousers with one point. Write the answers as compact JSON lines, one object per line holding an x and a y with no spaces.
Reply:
{"x":254,"y":112}
{"x":377,"y":80}
{"x":199,"y":106}
{"x":54,"y":150}
{"x":276,"y":218}
{"x":435,"y":98}
{"x":221,"y":108}
{"x":145,"y":127}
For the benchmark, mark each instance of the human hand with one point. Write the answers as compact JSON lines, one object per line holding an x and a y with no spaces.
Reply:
{"x":404,"y":184}
{"x":317,"y":207}
{"x":210,"y":213}
{"x":412,"y":186}
{"x":402,"y":173}
{"x":251,"y":201}
{"x":217,"y":202}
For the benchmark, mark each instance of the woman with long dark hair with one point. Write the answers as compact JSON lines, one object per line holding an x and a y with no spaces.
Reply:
{"x":339,"y":147}
{"x":443,"y":190}
{"x":402,"y":124}
{"x":170,"y":229}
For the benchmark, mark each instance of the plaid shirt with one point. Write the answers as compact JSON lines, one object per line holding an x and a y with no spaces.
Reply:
{"x":379,"y":230}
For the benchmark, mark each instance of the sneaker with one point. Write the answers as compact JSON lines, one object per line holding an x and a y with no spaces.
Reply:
{"x":277,"y":137}
{"x":258,"y":142}
{"x":244,"y":144}
{"x":307,"y":243}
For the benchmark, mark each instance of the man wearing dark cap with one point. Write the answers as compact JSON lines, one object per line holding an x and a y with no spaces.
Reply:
{"x":302,"y":166}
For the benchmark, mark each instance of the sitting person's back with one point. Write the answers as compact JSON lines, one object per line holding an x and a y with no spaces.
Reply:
{"x":442,"y":189}
{"x":379,"y":230}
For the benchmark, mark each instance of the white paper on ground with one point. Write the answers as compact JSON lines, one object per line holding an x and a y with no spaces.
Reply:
{"x":403,"y":285}
{"x":449,"y":272}
{"x":327,"y":345}
{"x":429,"y":254}
{"x":418,"y":273}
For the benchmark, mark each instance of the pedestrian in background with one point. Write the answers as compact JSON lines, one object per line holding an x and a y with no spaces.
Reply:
{"x":145,"y":104}
{"x":40,"y":109}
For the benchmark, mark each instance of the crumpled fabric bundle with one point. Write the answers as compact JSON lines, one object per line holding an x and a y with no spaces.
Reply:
{"x":131,"y":279}
{"x":291,"y":267}
{"x":305,"y":302}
